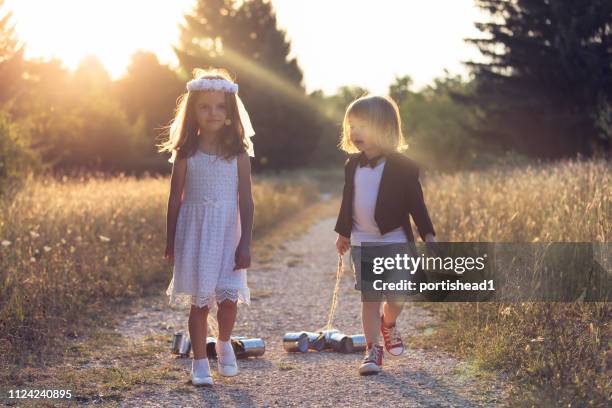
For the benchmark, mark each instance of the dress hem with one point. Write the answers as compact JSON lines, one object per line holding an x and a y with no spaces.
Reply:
{"x":187,"y":299}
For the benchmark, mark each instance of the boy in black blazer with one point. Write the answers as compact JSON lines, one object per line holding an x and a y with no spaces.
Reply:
{"x":381,"y":192}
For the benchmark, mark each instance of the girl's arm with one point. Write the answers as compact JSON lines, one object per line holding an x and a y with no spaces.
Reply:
{"x":177,"y":182}
{"x":247,"y":208}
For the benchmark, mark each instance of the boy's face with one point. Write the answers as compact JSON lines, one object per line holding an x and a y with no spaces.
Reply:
{"x":211,"y":111}
{"x":360,"y":135}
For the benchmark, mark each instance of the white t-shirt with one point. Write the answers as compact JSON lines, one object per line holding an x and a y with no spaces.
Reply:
{"x":367,"y":183}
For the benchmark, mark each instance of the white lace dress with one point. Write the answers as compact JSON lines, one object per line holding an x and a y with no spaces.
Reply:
{"x":207,"y":235}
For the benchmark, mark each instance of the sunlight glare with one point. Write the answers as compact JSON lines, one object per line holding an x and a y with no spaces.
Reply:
{"x":112,"y":30}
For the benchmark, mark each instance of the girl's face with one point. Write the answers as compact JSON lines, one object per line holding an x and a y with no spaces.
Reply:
{"x":211,"y":111}
{"x":360,"y":135}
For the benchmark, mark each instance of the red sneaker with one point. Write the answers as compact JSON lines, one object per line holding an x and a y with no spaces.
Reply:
{"x":393,"y":342}
{"x":372,"y":362}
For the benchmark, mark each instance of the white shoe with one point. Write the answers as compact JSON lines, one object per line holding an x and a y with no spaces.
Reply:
{"x":200,"y":373}
{"x":206,"y":380}
{"x":226,"y":360}
{"x":372,"y":361}
{"x":228,"y":370}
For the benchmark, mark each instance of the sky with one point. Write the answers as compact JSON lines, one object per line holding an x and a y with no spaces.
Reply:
{"x":337,"y":42}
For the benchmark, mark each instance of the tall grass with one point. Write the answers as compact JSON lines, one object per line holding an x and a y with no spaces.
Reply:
{"x":560,"y":351}
{"x":72,"y":246}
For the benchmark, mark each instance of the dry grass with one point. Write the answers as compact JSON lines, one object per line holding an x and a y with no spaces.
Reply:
{"x":95,"y":372}
{"x":568,"y":202}
{"x":103,"y":368}
{"x":71,"y":248}
{"x":78,"y":246}
{"x":558,"y":352}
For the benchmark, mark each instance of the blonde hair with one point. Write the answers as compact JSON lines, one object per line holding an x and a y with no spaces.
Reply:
{"x":382,"y":117}
{"x":182,"y":133}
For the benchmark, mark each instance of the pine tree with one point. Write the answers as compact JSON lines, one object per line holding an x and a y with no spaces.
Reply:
{"x":547,"y":87}
{"x":243,"y":37}
{"x":11,"y":58}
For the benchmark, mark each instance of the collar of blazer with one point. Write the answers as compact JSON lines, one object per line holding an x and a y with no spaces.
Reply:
{"x":396,"y":186}
{"x":394,"y":160}
{"x":393,"y":172}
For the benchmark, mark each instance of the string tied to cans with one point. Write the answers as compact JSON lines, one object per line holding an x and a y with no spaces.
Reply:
{"x":327,"y":338}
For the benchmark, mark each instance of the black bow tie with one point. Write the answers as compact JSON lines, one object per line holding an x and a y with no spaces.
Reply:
{"x":364,"y":161}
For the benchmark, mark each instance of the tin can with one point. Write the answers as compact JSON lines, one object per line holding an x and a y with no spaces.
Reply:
{"x":327,"y":335}
{"x":185,"y":347}
{"x":296,"y":342}
{"x":211,"y":352}
{"x":249,"y":347}
{"x":238,"y":337}
{"x":177,"y":339}
{"x":316,"y":341}
{"x":359,"y":342}
{"x":341,"y":343}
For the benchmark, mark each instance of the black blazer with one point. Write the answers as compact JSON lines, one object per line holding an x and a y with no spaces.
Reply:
{"x":399,"y":196}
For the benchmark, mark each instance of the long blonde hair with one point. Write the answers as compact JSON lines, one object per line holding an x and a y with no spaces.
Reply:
{"x":382,"y":117}
{"x":182,"y":133}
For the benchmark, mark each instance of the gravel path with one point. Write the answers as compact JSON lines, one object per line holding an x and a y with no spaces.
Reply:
{"x":292,"y":293}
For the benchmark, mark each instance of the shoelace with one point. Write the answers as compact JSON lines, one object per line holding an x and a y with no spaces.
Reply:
{"x":373,"y":355}
{"x":393,"y":334}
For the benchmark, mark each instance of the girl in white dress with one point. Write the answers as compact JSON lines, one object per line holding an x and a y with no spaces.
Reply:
{"x":210,"y":212}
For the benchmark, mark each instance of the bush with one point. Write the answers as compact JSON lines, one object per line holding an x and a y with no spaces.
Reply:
{"x":16,"y":159}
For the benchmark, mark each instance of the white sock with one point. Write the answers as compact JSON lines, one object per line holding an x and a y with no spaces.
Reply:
{"x":200,"y":367}
{"x":225,"y":352}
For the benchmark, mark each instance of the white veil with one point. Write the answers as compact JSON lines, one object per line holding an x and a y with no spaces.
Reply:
{"x":249,"y":132}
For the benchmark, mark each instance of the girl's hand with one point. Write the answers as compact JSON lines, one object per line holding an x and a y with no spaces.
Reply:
{"x":169,"y":254}
{"x":242,"y":257}
{"x":342,"y":244}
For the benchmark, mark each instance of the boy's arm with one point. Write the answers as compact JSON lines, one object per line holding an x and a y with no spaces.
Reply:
{"x":342,"y":227}
{"x":418,"y":209}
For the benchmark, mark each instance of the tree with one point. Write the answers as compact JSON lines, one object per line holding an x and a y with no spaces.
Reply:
{"x":91,"y":78}
{"x":11,"y":58}
{"x":438,"y":129}
{"x":148,"y":92}
{"x":150,"y":89}
{"x":399,"y":90}
{"x":72,"y":119}
{"x":332,"y":109}
{"x":547,"y":87}
{"x":243,"y":37}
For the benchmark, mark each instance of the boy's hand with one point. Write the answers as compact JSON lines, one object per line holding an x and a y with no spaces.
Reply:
{"x":432,"y":245}
{"x":342,"y":244}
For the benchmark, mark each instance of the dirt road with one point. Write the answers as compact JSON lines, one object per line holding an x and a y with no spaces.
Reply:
{"x":292,"y":292}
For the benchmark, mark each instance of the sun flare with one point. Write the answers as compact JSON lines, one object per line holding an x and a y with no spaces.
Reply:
{"x":112,"y":30}
{"x":330,"y":56}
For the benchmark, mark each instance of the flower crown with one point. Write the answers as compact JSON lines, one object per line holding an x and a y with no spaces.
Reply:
{"x":208,"y":84}
{"x":214,"y":84}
